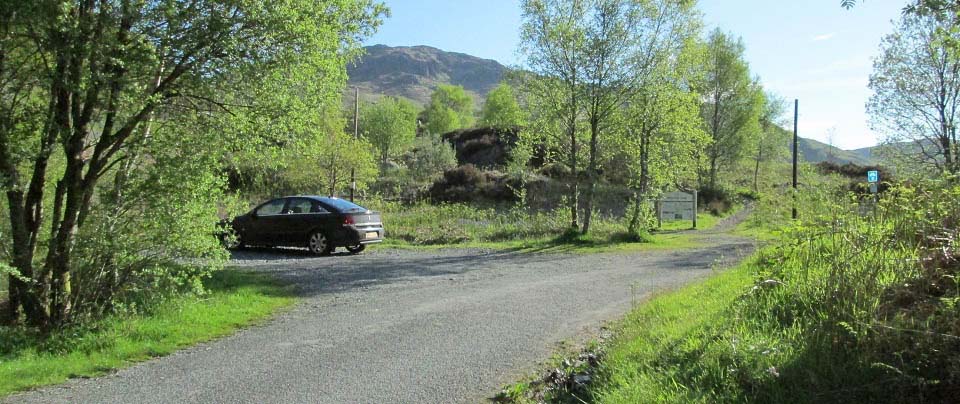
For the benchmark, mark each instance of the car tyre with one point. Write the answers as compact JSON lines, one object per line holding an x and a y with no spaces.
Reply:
{"x":232,"y":243}
{"x":357,"y":249}
{"x":319,"y":243}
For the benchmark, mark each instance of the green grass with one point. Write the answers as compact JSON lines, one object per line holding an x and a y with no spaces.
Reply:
{"x":427,"y":226}
{"x":663,"y":348}
{"x":705,"y":221}
{"x":236,"y":299}
{"x":845,"y":308}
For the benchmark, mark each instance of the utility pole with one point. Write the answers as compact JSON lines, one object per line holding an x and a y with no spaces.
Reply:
{"x":796,"y":154}
{"x":356,"y":136}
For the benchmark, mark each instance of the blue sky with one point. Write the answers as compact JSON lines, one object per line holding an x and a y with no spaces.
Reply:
{"x":812,"y":50}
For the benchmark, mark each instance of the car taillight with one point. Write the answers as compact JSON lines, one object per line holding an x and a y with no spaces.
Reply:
{"x":349,"y":220}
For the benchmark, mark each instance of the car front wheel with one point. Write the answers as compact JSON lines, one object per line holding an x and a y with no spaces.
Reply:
{"x":357,"y":249}
{"x":319,"y":244}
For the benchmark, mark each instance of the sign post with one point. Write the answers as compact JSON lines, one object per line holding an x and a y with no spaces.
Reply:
{"x":873,"y":177}
{"x":678,"y":205}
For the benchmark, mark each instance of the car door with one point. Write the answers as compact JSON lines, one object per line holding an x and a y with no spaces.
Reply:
{"x":265,"y":222}
{"x":299,"y":218}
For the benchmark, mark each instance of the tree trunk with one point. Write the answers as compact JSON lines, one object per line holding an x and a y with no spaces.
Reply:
{"x":574,"y":202}
{"x":641,"y":193}
{"x":713,"y":172}
{"x":591,"y":175}
{"x":756,"y":172}
{"x":634,"y":226}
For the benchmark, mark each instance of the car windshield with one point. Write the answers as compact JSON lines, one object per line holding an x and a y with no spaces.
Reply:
{"x":343,"y":205}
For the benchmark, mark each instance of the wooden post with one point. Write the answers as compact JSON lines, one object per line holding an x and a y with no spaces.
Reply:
{"x":356,"y":135}
{"x":796,"y":154}
{"x":695,"y":209}
{"x":659,"y":214}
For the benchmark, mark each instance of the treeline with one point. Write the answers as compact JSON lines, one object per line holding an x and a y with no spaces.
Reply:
{"x":636,"y":92}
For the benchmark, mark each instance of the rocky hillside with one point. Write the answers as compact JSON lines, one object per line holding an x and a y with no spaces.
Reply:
{"x":414,"y":72}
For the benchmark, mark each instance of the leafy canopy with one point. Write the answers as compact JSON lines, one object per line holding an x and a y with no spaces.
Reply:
{"x":501,"y":110}
{"x":450,"y":108}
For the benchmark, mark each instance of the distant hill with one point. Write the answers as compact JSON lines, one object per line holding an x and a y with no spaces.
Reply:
{"x":815,"y":152}
{"x":415,"y":71}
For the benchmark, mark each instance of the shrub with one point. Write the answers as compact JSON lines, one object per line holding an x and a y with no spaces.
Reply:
{"x":717,"y":200}
{"x":467,"y":183}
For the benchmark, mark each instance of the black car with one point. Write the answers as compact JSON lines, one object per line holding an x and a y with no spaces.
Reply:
{"x":321,"y":224}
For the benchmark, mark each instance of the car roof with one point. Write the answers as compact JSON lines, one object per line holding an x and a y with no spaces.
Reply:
{"x":314,"y":197}
{"x":328,"y":200}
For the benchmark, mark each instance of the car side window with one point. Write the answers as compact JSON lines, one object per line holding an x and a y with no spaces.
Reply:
{"x":274,"y":207}
{"x":299,"y":205}
{"x":316,"y":208}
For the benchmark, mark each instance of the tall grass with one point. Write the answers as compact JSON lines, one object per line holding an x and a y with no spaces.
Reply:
{"x":426,"y":224}
{"x":855,"y":304}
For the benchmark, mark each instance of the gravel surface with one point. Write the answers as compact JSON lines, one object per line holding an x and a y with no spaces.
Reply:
{"x":405,"y":326}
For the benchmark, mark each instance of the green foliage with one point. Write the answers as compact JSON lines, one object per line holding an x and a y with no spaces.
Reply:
{"x":390,"y":125}
{"x":501,"y":109}
{"x":450,"y":108}
{"x":732,"y":105}
{"x":916,"y":85}
{"x":429,"y":157}
{"x":771,"y":138}
{"x":321,"y":162}
{"x":588,"y":60}
{"x":155,"y":98}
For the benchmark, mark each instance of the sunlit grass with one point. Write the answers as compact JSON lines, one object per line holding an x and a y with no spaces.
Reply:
{"x":236,"y":299}
{"x":462,"y":226}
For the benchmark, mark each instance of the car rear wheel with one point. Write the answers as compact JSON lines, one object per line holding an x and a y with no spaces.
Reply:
{"x":319,"y":244}
{"x":357,"y":249}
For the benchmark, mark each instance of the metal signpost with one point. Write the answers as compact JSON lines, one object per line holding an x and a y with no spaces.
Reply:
{"x":873,"y":177}
{"x":678,"y":205}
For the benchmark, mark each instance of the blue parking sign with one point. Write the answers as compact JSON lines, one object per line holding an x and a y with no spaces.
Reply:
{"x":873,"y":176}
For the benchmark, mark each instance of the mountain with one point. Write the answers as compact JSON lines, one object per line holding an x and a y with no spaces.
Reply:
{"x":415,"y":71}
{"x":815,"y":152}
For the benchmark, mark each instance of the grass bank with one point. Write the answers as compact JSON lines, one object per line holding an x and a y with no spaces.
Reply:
{"x":236,"y":299}
{"x":847,"y":307}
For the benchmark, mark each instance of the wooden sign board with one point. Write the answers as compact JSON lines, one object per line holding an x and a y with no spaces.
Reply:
{"x":678,"y":206}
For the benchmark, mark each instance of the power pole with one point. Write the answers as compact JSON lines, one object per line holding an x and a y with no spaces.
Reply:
{"x":796,"y":154}
{"x":356,"y":136}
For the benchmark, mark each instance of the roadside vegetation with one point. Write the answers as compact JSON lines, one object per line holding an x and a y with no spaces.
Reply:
{"x":233,"y":299}
{"x":854,"y":302}
{"x":129,"y":130}
{"x":463,"y":225}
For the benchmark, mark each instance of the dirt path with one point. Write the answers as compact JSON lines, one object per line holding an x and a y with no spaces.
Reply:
{"x":405,"y":326}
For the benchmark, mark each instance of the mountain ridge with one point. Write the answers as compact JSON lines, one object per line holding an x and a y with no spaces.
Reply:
{"x":414,"y":72}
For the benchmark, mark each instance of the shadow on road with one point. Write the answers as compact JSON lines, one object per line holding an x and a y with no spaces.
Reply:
{"x":343,"y":272}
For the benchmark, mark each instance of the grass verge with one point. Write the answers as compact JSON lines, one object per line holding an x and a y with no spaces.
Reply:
{"x":650,"y":357}
{"x":846,"y":307}
{"x":236,"y":299}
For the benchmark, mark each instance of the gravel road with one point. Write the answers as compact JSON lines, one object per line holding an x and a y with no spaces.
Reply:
{"x":405,"y":326}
